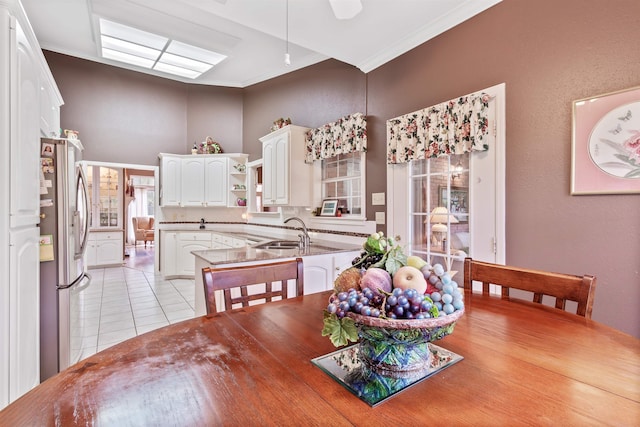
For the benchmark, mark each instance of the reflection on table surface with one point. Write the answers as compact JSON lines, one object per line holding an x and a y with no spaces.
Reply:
{"x":253,"y":367}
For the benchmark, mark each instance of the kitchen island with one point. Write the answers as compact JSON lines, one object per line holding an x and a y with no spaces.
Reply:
{"x":323,"y":261}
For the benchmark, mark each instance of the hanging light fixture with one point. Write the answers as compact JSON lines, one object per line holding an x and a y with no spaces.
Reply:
{"x":287,"y":57}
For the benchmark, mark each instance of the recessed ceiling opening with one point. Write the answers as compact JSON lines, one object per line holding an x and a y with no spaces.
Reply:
{"x":147,"y":50}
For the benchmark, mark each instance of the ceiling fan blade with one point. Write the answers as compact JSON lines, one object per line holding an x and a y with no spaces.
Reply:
{"x":345,"y":9}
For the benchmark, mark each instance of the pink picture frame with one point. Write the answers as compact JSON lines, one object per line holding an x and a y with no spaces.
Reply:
{"x":605,"y":146}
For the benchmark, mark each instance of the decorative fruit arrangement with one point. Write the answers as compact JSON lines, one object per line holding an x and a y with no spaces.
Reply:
{"x":384,"y":283}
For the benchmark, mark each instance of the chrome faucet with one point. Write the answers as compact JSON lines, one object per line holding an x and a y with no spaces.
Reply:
{"x":305,"y":241}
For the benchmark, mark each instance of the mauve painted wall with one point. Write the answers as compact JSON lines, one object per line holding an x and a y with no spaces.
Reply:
{"x":216,"y":112}
{"x":549,"y":53}
{"x":311,"y":97}
{"x":129,"y":117}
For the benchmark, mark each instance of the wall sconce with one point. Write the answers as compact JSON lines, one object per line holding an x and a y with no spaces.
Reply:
{"x":439,"y":218}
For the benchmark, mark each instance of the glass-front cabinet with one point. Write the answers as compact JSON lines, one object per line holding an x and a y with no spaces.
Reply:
{"x":105,"y":196}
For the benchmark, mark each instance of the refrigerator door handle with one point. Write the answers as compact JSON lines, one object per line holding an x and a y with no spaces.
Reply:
{"x":82,"y":186}
{"x":78,"y":280}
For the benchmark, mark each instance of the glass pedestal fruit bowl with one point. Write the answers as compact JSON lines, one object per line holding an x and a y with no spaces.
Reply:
{"x":400,"y":348}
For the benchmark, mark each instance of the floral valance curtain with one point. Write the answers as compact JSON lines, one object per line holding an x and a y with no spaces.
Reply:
{"x":452,"y":127}
{"x":343,"y":136}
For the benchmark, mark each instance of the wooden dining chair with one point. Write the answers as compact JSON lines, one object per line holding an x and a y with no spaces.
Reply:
{"x":226,"y":279}
{"x":564,"y":287}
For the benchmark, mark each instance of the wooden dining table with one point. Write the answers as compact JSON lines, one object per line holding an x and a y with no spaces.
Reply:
{"x":523,"y":365}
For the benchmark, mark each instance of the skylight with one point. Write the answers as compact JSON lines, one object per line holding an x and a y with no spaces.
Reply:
{"x":147,"y":50}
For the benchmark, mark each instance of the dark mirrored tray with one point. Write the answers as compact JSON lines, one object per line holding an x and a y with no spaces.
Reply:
{"x":373,"y":388}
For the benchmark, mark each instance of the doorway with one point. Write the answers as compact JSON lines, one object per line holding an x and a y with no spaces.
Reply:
{"x":134,"y":193}
{"x":139,"y":213}
{"x":475,"y":224}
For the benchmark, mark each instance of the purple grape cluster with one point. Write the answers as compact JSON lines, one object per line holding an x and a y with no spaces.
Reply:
{"x":400,"y":304}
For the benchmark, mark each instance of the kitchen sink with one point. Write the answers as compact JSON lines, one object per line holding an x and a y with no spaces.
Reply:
{"x":278,"y":244}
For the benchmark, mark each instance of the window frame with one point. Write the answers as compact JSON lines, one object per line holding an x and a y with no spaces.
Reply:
{"x":318,"y":186}
{"x":487,"y":193}
{"x":449,"y":174}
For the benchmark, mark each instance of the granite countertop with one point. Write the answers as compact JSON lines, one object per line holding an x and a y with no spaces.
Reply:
{"x":251,"y":253}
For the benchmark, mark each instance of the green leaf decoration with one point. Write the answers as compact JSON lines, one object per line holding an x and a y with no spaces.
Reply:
{"x":339,"y":331}
{"x":395,"y":259}
{"x":372,"y":245}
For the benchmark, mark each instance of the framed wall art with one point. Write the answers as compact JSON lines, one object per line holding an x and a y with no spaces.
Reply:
{"x":329,"y":207}
{"x":605,"y":146}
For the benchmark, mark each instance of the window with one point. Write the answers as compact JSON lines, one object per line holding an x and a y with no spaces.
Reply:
{"x":343,"y":179}
{"x":144,"y":192}
{"x":439,"y":208}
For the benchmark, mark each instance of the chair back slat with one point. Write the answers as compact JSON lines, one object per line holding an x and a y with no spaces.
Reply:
{"x":226,"y":279}
{"x":563,"y":287}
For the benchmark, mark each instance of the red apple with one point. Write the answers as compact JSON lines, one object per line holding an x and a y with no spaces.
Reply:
{"x":408,"y":277}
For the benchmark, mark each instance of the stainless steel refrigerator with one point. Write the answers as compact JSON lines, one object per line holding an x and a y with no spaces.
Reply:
{"x":64,"y":228}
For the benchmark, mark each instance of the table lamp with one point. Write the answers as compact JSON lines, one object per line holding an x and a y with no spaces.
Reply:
{"x":439,"y":218}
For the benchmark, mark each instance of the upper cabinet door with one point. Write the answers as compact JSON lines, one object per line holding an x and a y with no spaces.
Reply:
{"x":281,"y":169}
{"x":170,"y":181}
{"x":25,"y":135}
{"x":268,"y":156}
{"x":215,"y":177}
{"x":193,"y":181}
{"x":49,"y":109}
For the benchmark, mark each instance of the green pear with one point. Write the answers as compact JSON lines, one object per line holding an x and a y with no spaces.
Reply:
{"x":416,"y":261}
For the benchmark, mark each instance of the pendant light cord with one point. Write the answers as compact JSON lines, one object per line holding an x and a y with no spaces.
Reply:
{"x":287,"y":58}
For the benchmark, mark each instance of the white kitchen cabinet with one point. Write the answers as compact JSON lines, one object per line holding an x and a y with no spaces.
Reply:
{"x":205,"y":180}
{"x":216,"y":181}
{"x":192,"y":181}
{"x":341,"y":261}
{"x":232,"y":242}
{"x":176,"y":259}
{"x":25,"y":141}
{"x":320,"y":271}
{"x":188,"y":242}
{"x":170,"y":180}
{"x":49,"y":109}
{"x":24,"y":300}
{"x":168,"y":253}
{"x":104,"y":248}
{"x":22,"y":70}
{"x":237,"y":180}
{"x":286,"y":178}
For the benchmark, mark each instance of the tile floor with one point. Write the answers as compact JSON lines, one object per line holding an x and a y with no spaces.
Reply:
{"x":124,"y":302}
